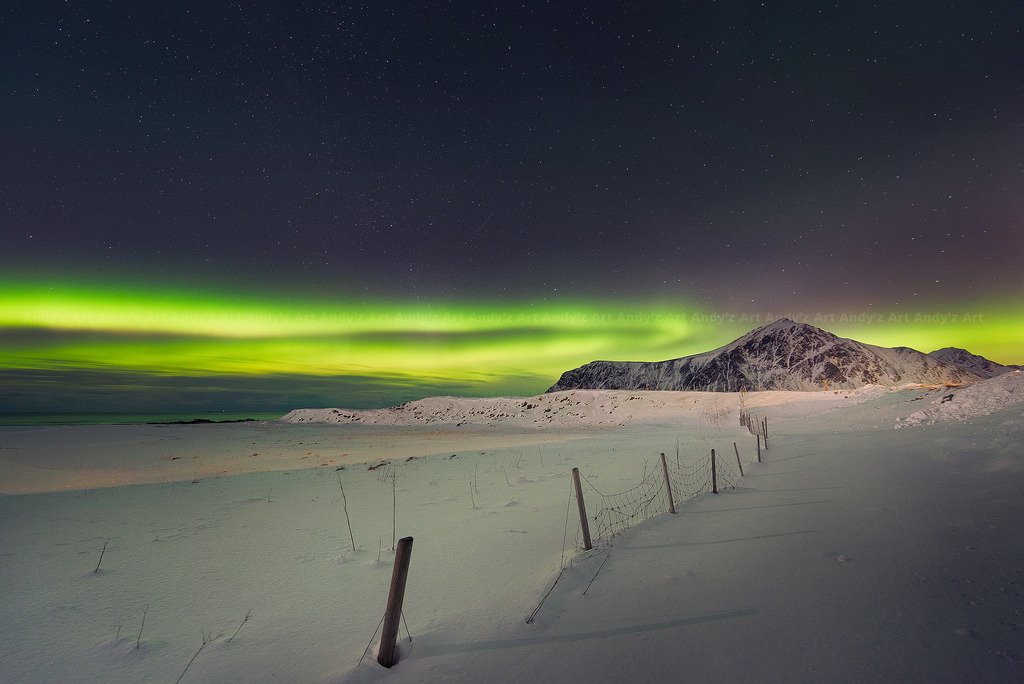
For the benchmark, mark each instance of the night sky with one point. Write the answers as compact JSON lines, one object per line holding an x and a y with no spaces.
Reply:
{"x":263,"y":205}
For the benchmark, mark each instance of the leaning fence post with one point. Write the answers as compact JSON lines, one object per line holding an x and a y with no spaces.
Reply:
{"x":392,"y":614}
{"x":714,"y":474}
{"x":766,"y":430}
{"x":668,"y":485}
{"x":738,"y":462}
{"x":758,"y":448}
{"x":584,"y":525}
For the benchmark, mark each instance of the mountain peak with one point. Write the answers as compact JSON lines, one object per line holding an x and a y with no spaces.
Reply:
{"x":782,"y":355}
{"x":945,"y":351}
{"x":785,"y":324}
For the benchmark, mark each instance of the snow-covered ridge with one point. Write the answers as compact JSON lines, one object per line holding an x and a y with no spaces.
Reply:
{"x":578,"y":408}
{"x":784,"y":355}
{"x":972,"y":363}
{"x":1004,"y":391}
{"x":572,"y":408}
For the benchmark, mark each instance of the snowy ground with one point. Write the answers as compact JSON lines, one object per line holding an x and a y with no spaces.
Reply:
{"x":963,"y":403}
{"x":854,"y":551}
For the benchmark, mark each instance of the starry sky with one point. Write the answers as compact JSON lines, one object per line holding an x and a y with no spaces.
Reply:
{"x":262,"y":205}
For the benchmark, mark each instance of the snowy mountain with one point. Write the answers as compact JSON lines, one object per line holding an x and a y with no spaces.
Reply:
{"x":783,"y":355}
{"x":972,"y":363}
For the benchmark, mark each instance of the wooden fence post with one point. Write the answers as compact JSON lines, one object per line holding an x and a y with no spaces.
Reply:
{"x":386,"y":655}
{"x":740,"y":464}
{"x":668,"y":485}
{"x":758,"y":448}
{"x":714,"y":474}
{"x":766,"y":430}
{"x":584,"y":525}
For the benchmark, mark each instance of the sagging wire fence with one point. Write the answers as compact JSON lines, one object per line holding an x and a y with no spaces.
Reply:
{"x":622,"y":510}
{"x":657,"y":491}
{"x":757,"y":426}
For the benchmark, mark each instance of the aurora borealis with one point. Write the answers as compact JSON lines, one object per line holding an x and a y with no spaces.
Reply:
{"x":206,"y":334}
{"x":187,"y":348}
{"x":262,"y":206}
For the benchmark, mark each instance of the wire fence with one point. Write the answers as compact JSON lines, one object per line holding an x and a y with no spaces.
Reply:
{"x":658,"y":491}
{"x":619,"y":511}
{"x":622,"y":510}
{"x":756,"y":425}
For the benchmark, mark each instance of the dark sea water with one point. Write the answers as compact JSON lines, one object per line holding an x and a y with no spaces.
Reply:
{"x":125,"y":418}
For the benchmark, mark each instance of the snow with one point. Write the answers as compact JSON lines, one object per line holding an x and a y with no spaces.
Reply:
{"x":854,"y":551}
{"x":1005,"y":391}
{"x":581,"y":408}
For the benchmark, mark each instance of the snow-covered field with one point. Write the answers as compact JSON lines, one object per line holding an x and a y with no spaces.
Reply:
{"x":854,"y":551}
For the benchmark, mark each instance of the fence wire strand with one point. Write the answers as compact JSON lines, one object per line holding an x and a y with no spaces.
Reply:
{"x":619,"y":511}
{"x":727,"y":472}
{"x":691,"y":479}
{"x":622,"y":510}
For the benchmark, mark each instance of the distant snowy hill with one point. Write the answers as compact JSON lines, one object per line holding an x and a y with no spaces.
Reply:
{"x":783,"y":355}
{"x":566,"y":409}
{"x":586,"y":409}
{"x":972,"y":363}
{"x":1004,"y":391}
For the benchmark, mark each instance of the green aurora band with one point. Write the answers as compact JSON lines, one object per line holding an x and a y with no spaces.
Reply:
{"x":471,"y":347}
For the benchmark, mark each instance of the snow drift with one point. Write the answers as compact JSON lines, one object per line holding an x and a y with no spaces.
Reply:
{"x":1004,"y":391}
{"x":578,"y":409}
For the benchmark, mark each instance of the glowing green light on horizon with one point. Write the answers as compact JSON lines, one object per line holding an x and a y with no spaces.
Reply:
{"x":67,"y":327}
{"x":201,"y":333}
{"x":994,"y":330}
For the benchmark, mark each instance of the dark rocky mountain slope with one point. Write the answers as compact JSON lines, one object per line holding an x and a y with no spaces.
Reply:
{"x":784,"y":355}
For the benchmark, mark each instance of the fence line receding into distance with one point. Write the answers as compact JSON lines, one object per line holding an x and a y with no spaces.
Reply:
{"x":660,"y":490}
